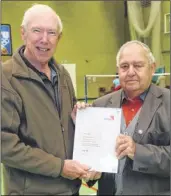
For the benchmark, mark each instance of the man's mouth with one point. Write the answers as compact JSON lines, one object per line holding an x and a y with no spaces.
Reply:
{"x":131,"y":81}
{"x":43,"y":49}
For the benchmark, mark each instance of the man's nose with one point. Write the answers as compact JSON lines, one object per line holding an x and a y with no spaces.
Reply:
{"x":131,"y":70}
{"x":45,"y":37}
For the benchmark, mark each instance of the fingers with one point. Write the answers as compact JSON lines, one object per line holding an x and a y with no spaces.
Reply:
{"x":127,"y":152}
{"x":123,"y":153}
{"x":73,"y":169}
{"x":82,"y":105}
{"x":92,"y":175}
{"x":80,"y":169}
{"x":85,"y":167}
{"x":97,"y":175}
{"x":121,"y":140}
{"x":125,"y":146}
{"x":120,"y":148}
{"x":78,"y":105}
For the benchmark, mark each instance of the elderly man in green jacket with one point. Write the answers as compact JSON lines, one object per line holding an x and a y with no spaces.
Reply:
{"x":37,"y":100}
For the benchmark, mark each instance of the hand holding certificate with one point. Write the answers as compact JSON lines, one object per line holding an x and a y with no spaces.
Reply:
{"x":95,"y":138}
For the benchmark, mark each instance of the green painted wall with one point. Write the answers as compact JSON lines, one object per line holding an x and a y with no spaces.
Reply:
{"x":165,"y":37}
{"x":93,"y":32}
{"x":165,"y":41}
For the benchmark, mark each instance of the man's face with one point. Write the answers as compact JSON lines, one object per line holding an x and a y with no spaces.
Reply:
{"x":40,"y":37}
{"x":135,"y":72}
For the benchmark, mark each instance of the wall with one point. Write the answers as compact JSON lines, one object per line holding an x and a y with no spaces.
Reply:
{"x":93,"y":32}
{"x":165,"y":37}
{"x":165,"y":41}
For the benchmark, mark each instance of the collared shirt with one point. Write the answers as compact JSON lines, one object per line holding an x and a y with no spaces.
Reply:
{"x":51,"y":85}
{"x":142,"y":95}
{"x":131,"y":107}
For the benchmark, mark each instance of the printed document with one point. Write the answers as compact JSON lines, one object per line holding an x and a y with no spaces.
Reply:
{"x":95,"y":138}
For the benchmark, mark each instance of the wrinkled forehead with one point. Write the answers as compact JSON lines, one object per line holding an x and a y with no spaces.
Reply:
{"x":134,"y":52}
{"x":46,"y":20}
{"x":134,"y":47}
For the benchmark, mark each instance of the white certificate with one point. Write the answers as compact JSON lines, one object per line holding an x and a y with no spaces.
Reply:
{"x":95,"y":138}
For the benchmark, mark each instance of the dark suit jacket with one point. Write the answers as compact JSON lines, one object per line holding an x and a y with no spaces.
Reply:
{"x":149,"y":173}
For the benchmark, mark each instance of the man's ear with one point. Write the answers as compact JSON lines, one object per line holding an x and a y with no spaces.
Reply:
{"x":117,"y":69}
{"x":23,"y":33}
{"x":59,"y":36}
{"x":153,"y":67}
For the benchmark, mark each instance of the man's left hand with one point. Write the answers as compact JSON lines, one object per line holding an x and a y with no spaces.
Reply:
{"x":78,"y":105}
{"x":92,"y":175}
{"x":125,"y":146}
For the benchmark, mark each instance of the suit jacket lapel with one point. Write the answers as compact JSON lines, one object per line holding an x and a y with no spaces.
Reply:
{"x":151,"y":103}
{"x":115,"y":101}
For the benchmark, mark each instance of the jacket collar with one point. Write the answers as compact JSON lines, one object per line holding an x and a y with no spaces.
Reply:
{"x":116,"y":98}
{"x":21,"y":70}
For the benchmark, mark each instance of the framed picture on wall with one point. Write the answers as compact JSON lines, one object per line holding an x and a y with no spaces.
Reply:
{"x":167,"y":23}
{"x":6,"y":40}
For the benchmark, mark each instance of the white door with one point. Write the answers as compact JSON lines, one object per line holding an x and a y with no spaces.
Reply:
{"x":71,"y":68}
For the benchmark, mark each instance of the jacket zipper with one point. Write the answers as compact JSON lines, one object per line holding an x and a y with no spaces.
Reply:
{"x":58,"y":103}
{"x":62,"y":128}
{"x":64,"y":140}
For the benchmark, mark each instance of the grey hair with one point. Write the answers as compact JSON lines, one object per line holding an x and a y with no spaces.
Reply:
{"x":35,"y":8}
{"x":150,"y":56}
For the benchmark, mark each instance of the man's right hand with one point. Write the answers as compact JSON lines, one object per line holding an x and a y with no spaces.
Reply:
{"x":73,"y":169}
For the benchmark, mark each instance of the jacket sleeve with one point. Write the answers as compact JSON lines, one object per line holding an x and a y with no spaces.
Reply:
{"x":152,"y":159}
{"x":14,"y":152}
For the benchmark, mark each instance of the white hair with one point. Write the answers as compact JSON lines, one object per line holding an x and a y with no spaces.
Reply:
{"x":37,"y":8}
{"x":150,"y":56}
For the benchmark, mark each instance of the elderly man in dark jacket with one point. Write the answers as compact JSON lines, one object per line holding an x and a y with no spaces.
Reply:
{"x":37,"y":130}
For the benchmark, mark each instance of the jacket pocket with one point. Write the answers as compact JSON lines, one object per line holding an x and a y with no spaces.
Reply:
{"x":36,"y":184}
{"x":159,"y":138}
